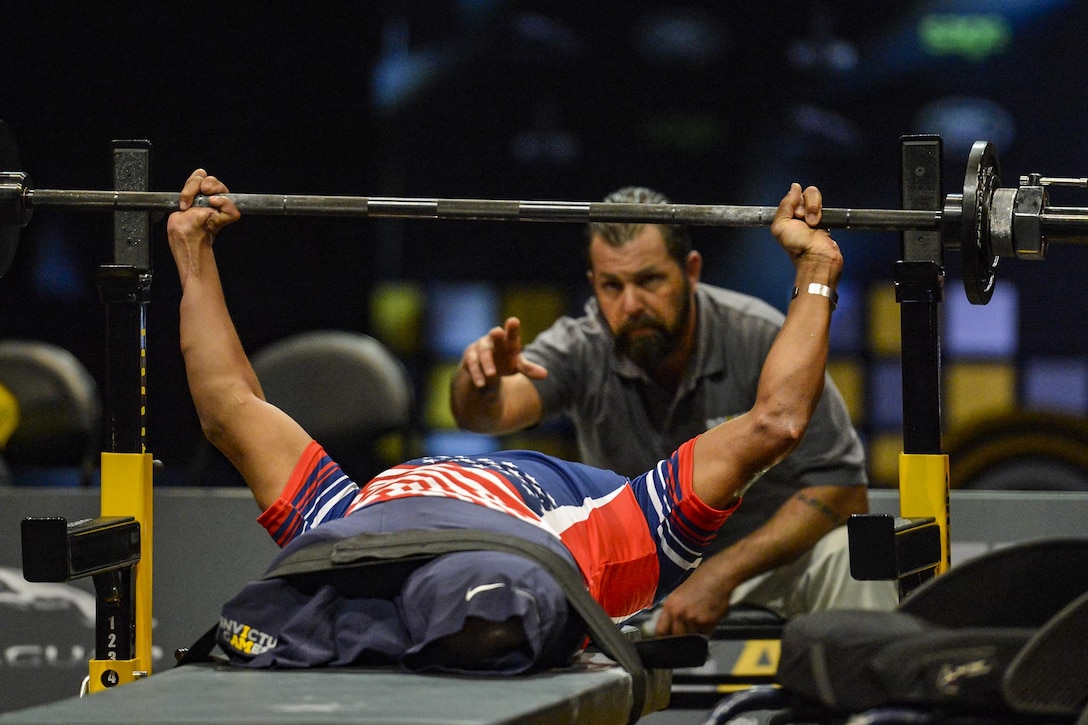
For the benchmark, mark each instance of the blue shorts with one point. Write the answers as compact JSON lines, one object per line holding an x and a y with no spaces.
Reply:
{"x":280,"y":623}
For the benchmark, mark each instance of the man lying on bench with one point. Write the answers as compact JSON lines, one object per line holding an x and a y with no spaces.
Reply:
{"x":631,"y":540}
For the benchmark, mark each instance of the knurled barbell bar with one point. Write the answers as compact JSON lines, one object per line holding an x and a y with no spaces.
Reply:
{"x":985,"y":222}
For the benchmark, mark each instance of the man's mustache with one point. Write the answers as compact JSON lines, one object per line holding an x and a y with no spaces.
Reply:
{"x":641,"y":323}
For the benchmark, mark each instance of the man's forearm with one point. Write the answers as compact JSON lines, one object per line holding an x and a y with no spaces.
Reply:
{"x":788,"y":534}
{"x":805,"y":518}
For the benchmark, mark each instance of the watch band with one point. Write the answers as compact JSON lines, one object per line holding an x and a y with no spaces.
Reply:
{"x":815,"y":288}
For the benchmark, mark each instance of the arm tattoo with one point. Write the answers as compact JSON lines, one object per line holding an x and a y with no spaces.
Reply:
{"x":820,"y":506}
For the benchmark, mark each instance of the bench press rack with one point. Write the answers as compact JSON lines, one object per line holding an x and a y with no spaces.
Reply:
{"x":984,"y":223}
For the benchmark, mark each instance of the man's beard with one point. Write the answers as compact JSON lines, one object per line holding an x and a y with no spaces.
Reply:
{"x":655,"y":341}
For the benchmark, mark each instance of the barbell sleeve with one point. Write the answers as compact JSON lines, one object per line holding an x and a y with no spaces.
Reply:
{"x":1064,"y":223}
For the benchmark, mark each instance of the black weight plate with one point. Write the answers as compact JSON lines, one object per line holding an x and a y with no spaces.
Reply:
{"x":982,"y":178}
{"x":9,"y":230}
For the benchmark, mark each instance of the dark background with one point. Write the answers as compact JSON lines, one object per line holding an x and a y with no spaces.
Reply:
{"x":722,"y":102}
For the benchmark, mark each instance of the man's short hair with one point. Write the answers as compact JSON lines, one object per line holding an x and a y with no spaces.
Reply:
{"x":677,"y":237}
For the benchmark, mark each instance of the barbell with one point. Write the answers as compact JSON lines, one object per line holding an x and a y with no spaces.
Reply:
{"x":984,"y":222}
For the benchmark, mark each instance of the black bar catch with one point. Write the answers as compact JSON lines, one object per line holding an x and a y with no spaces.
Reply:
{"x":55,"y":550}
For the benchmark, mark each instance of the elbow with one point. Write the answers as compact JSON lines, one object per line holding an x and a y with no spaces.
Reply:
{"x":215,"y":433}
{"x":781,"y":433}
{"x":222,"y":412}
{"x":781,"y":420}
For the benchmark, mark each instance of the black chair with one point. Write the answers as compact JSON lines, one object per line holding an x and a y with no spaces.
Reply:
{"x":345,"y":388}
{"x":57,"y":438}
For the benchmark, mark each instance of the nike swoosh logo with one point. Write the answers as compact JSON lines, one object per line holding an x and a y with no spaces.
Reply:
{"x":473,"y":591}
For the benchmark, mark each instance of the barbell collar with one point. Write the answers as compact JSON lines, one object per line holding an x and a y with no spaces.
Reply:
{"x":1002,"y":210}
{"x":13,"y":186}
{"x":1025,"y":222}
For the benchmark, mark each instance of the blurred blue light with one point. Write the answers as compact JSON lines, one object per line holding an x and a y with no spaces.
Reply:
{"x":402,"y":73}
{"x":847,"y":325}
{"x":680,"y":35}
{"x":824,"y":131}
{"x":834,"y":54}
{"x":459,"y":313}
{"x":548,"y":34}
{"x":545,"y":147}
{"x":459,"y":443}
{"x":962,"y":120}
{"x":1056,"y":384}
{"x":56,"y":272}
{"x":986,"y":331}
{"x":886,"y":394}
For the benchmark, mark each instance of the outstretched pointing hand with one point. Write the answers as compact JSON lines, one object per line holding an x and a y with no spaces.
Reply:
{"x":497,"y":354}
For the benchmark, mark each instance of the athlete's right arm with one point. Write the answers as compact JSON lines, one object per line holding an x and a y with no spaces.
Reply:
{"x":731,"y":455}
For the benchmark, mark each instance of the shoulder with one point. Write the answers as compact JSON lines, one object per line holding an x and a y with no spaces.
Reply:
{"x":727,"y":303}
{"x":569,"y":333}
{"x":733,"y":320}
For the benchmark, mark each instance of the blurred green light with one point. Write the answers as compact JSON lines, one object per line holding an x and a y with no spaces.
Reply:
{"x":975,"y":37}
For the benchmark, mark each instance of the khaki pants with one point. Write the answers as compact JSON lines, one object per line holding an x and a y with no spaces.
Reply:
{"x":816,"y":581}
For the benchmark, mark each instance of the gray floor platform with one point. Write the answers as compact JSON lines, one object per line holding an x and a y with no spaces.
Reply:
{"x":591,"y":692}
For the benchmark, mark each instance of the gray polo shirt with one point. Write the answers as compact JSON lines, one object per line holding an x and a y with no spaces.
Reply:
{"x":625,"y":422}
